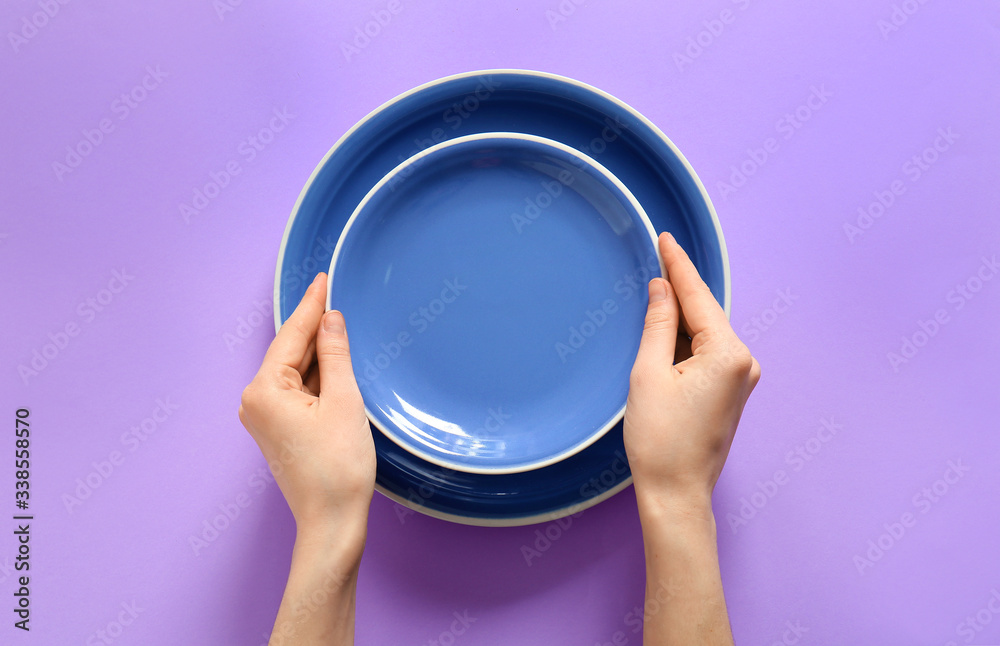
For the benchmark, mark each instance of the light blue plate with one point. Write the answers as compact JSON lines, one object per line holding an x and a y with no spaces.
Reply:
{"x":562,"y":109}
{"x":484,"y":282}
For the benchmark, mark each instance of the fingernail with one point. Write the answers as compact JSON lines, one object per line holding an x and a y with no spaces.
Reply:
{"x":670,"y":238}
{"x":333,"y":322}
{"x":657,"y":290}
{"x":316,"y":279}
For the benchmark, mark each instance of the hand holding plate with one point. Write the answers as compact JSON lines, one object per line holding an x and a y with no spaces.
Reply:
{"x":305,"y":412}
{"x":685,"y":397}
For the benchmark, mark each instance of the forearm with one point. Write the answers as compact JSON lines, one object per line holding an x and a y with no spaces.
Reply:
{"x":685,"y":603}
{"x":318,"y":603}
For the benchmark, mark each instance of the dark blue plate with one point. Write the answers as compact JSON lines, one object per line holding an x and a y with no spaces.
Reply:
{"x":567,"y":111}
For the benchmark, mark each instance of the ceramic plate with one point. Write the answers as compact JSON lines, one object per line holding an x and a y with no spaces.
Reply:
{"x":558,"y":108}
{"x":478,"y":279}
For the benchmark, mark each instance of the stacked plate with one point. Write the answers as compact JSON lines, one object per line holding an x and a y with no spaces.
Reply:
{"x":489,"y":237}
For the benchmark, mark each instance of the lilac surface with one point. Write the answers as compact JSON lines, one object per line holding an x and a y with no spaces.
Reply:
{"x":169,"y":334}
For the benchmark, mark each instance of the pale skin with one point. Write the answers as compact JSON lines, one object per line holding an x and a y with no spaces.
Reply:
{"x":680,"y":421}
{"x":690,"y":381}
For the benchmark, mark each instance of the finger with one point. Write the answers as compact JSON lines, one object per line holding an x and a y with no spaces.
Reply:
{"x":702,"y":313}
{"x":659,"y":335}
{"x":311,"y":382}
{"x":307,"y":360}
{"x":334,"y":355}
{"x":291,"y":344}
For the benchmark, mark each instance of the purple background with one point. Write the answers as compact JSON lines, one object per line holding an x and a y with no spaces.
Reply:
{"x":164,"y":336}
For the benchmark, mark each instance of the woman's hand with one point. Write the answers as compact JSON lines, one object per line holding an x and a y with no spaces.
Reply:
{"x":686,"y":394}
{"x":304,"y":410}
{"x":690,"y":381}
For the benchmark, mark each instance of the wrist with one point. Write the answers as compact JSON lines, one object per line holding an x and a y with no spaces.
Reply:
{"x":677,"y":528}
{"x":339,"y":543}
{"x":319,"y":597}
{"x":675,"y":506}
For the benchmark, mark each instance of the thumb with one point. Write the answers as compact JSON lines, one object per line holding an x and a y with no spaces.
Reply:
{"x":659,"y":335}
{"x":334,"y":355}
